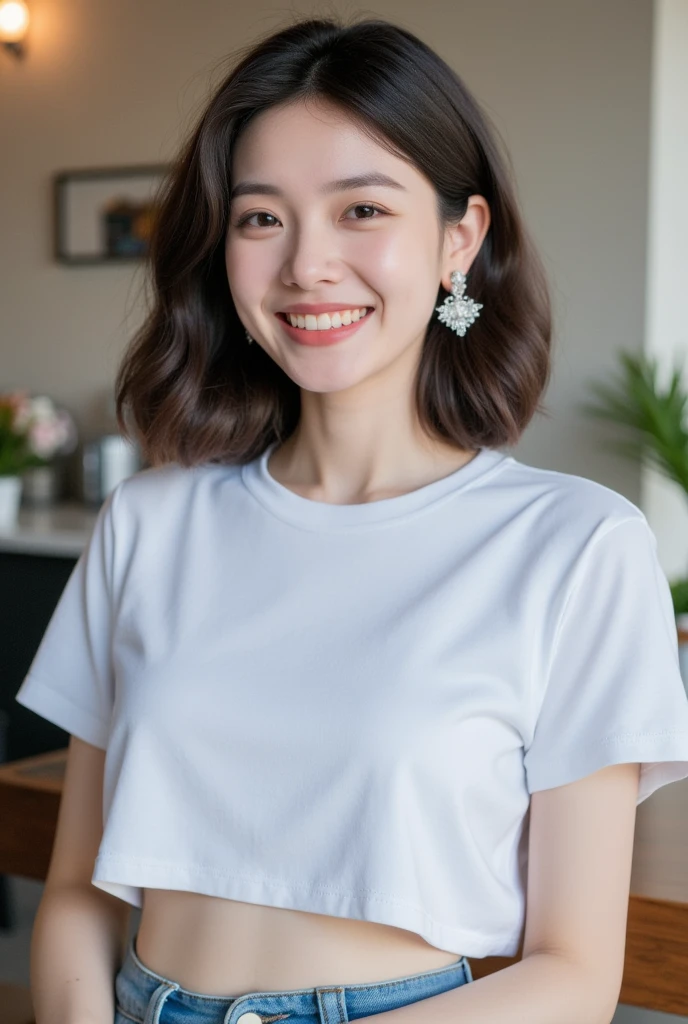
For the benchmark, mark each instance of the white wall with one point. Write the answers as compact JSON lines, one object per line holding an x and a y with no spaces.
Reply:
{"x":663,"y":501}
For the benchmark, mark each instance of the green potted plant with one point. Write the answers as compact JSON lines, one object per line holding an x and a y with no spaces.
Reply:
{"x":653,"y":419}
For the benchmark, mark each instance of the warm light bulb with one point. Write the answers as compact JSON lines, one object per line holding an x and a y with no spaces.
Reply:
{"x":14,"y":20}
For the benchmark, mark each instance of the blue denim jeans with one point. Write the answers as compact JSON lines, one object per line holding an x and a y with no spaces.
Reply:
{"x":147,"y":998}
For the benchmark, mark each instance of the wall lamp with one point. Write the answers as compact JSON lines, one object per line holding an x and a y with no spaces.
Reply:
{"x":14,"y":22}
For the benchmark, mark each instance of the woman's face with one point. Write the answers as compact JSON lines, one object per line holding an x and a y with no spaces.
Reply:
{"x":296,"y":237}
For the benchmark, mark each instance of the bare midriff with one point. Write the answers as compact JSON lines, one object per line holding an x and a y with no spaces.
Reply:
{"x":224,"y":947}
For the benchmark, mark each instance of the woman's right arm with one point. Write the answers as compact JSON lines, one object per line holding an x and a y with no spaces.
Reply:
{"x":80,"y":932}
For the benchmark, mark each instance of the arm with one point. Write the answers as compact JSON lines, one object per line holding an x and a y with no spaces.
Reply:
{"x":79,"y":932}
{"x":542,"y":988}
{"x":579,"y":871}
{"x":77,"y":945}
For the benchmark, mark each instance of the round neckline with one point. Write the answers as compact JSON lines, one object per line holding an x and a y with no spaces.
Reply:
{"x":307,"y":512}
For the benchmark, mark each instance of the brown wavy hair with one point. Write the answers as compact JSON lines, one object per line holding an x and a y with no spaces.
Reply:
{"x":196,"y":392}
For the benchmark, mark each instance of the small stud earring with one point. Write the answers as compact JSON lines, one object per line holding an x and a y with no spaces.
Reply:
{"x":457,"y":311}
{"x":250,"y":339}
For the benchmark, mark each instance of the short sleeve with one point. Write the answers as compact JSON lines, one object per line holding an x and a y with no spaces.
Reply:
{"x":70,"y":680}
{"x":614,"y":692}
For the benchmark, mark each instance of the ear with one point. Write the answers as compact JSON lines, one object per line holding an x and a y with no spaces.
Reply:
{"x":462,"y":241}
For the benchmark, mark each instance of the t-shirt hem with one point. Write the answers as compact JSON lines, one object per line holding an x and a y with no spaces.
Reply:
{"x":38,"y":696}
{"x":127,"y":876}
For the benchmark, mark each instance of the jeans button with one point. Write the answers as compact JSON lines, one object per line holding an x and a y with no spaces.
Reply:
{"x":249,"y":1018}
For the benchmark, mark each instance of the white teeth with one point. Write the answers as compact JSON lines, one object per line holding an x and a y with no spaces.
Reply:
{"x":326,"y":321}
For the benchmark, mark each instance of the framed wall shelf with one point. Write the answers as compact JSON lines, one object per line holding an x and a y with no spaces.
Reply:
{"x":105,"y":214}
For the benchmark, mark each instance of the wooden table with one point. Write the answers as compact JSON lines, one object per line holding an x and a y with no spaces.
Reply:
{"x":656,"y":964}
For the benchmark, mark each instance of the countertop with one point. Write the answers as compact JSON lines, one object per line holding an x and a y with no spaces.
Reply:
{"x":62,"y":530}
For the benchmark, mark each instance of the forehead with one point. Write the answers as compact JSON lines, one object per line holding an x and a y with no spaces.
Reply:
{"x":313,"y":139}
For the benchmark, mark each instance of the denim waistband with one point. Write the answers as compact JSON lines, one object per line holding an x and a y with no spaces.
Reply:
{"x":146,"y":997}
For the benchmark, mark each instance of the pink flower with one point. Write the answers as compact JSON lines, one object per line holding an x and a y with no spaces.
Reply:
{"x":45,"y":438}
{"x":20,"y":403}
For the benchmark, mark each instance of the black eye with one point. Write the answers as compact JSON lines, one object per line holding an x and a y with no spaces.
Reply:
{"x":365,"y":206}
{"x":250,"y":216}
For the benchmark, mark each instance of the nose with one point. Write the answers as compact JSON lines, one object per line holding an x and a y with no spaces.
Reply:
{"x":311,"y":257}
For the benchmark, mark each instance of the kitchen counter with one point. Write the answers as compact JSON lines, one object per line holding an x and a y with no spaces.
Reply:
{"x":62,"y":530}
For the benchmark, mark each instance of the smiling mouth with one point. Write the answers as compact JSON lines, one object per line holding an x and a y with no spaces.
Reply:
{"x":286,"y":320}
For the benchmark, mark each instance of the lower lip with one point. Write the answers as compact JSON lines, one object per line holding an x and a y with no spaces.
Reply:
{"x":331,"y":337}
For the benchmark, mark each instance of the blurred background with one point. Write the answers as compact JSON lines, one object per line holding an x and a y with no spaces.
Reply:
{"x":591,"y":100}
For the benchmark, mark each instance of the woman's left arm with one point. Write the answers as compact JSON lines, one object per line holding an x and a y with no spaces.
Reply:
{"x":579,"y":874}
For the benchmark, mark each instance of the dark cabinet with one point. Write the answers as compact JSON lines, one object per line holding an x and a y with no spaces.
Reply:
{"x":30,"y":587}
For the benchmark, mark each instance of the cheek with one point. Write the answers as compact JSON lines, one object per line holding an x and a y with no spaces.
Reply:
{"x":401,"y":268}
{"x":245,"y":273}
{"x":387,"y":250}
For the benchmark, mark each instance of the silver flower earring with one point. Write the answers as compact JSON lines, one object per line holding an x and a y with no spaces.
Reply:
{"x":250,"y":339}
{"x":456,"y":311}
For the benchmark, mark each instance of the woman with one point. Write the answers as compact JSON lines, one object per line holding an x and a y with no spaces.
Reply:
{"x":364,"y":682}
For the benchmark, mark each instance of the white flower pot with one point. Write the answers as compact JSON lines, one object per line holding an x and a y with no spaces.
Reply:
{"x":10,"y":498}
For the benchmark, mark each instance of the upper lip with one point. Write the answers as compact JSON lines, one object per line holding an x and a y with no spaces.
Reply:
{"x":321,"y":307}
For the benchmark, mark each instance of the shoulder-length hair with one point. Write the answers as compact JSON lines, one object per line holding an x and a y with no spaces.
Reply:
{"x":198,"y":392}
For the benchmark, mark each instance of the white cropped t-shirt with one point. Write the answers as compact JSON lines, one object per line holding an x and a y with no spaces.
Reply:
{"x":344,"y":709}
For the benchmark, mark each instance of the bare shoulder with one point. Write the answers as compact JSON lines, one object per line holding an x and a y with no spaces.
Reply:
{"x":579,"y":872}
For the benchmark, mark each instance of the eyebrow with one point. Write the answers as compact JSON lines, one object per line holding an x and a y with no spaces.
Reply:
{"x":244,"y":188}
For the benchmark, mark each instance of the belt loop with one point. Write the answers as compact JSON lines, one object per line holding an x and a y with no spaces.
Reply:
{"x":157,"y":1001}
{"x":331,"y":1005}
